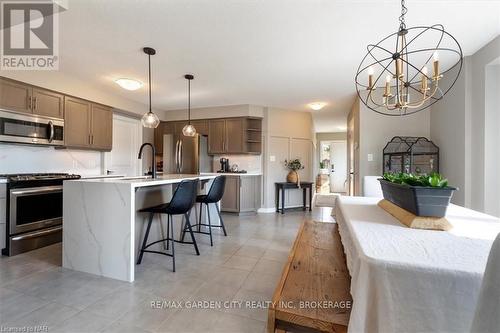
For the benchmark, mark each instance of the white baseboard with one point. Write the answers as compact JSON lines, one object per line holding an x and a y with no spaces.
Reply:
{"x":273,"y":209}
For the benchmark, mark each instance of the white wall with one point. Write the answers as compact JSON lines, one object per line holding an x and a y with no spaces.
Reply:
{"x":492,"y":141}
{"x":30,"y":159}
{"x":244,"y":110}
{"x":250,"y":163}
{"x":376,"y":130}
{"x":448,"y":132}
{"x":466,"y":130}
{"x":287,"y":135}
{"x":478,"y":63}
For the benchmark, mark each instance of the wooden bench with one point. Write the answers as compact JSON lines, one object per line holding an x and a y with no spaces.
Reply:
{"x":315,"y":272}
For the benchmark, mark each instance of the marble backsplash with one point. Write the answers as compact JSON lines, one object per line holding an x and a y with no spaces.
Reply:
{"x":250,"y":163}
{"x":34,"y":159}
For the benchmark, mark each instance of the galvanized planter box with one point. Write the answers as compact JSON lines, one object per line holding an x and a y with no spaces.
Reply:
{"x":419,"y":200}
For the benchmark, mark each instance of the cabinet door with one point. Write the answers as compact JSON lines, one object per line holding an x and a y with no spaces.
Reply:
{"x":230,"y":201}
{"x":76,"y":122}
{"x":48,"y":103}
{"x":234,"y":136}
{"x":158,"y":137}
{"x":178,"y":126}
{"x":216,"y":136}
{"x":201,"y":126}
{"x":101,"y":127}
{"x":15,"y":96}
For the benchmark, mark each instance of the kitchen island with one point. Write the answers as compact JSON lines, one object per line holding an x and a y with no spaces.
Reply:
{"x":102,"y":227}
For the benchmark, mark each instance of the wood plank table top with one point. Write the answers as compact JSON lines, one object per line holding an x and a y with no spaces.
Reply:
{"x":314,"y":289}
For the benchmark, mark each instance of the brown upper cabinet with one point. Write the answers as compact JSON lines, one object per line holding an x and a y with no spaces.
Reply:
{"x":235,"y":136}
{"x":241,"y":135}
{"x":216,"y":136}
{"x":200,"y":125}
{"x":87,"y":125}
{"x":21,"y":97}
{"x":101,"y":127}
{"x":47,"y":103}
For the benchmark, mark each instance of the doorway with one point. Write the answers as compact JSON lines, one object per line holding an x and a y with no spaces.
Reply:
{"x":127,"y":138}
{"x":333,"y":162}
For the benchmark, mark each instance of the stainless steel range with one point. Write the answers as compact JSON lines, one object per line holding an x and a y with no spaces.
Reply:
{"x":34,"y":211}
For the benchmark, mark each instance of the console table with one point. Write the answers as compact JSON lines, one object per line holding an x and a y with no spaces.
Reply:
{"x":283,"y":186}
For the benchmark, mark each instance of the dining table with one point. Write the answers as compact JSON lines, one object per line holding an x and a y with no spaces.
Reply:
{"x":413,"y":280}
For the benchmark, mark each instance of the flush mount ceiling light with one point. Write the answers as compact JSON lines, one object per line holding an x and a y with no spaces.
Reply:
{"x":149,"y":120}
{"x":317,"y":105}
{"x":395,"y":69}
{"x":189,"y":129}
{"x":129,"y":84}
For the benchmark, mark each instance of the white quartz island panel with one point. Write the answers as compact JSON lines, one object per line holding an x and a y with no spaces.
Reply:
{"x":101,"y":226}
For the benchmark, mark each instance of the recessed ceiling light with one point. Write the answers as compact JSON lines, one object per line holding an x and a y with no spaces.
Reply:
{"x":317,"y":105}
{"x":129,"y":84}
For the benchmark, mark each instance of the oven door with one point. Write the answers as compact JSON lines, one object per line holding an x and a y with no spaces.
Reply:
{"x":34,"y":208}
{"x":31,"y":129}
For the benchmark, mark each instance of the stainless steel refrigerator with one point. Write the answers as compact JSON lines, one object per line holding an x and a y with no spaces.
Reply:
{"x":186,"y":155}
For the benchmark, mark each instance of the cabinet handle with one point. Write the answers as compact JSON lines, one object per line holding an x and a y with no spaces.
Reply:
{"x":29,"y":102}
{"x":90,"y":139}
{"x":35,"y":106}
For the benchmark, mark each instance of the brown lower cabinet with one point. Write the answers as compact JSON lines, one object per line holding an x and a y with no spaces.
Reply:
{"x":241,"y":194}
{"x":87,"y":125}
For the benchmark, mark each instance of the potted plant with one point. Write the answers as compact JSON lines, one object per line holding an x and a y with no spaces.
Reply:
{"x":293,"y":166}
{"x":323,"y":168}
{"x":422,"y":195}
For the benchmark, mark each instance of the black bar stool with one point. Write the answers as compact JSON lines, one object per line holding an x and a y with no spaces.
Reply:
{"x":214,"y":196}
{"x":182,"y":201}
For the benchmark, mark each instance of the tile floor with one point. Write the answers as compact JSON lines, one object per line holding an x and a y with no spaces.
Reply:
{"x":241,"y":269}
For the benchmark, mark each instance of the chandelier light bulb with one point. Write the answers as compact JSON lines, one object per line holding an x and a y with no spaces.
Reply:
{"x":435,"y":56}
{"x":424,"y":71}
{"x":388,"y":78}
{"x":371,"y":71}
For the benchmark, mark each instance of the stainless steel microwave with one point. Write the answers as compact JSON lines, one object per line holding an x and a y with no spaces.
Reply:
{"x":31,"y":129}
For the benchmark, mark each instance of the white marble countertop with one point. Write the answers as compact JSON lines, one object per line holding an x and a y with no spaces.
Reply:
{"x":102,"y":176}
{"x":3,"y":180}
{"x":142,"y":181}
{"x":248,"y":174}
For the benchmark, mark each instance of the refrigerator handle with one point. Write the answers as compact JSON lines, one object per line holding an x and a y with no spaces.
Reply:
{"x":176,"y":163}
{"x":180,"y":156}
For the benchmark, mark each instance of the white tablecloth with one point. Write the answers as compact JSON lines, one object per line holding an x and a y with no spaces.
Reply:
{"x":409,"y":280}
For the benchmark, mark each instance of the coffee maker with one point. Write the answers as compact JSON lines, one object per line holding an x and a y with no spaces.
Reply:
{"x":224,"y":165}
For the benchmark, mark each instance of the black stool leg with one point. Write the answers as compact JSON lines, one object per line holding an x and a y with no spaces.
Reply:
{"x":168,"y":230}
{"x":151,"y":215}
{"x":192,"y":235}
{"x":199,"y":222}
{"x":171,"y":222}
{"x":209,"y":225}
{"x":221,"y":221}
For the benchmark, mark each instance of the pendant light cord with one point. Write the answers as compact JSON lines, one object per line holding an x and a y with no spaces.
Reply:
{"x":189,"y":102}
{"x":149,"y":81}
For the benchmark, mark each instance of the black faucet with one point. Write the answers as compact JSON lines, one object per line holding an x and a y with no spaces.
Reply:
{"x":153,"y":150}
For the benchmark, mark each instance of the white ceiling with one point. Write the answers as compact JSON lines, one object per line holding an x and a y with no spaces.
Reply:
{"x":266,"y":52}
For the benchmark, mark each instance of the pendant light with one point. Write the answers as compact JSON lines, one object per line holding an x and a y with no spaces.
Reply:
{"x":189,"y":129}
{"x":393,"y":78}
{"x":150,"y":120}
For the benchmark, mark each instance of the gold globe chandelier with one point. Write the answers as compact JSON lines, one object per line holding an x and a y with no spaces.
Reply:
{"x":393,"y":78}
